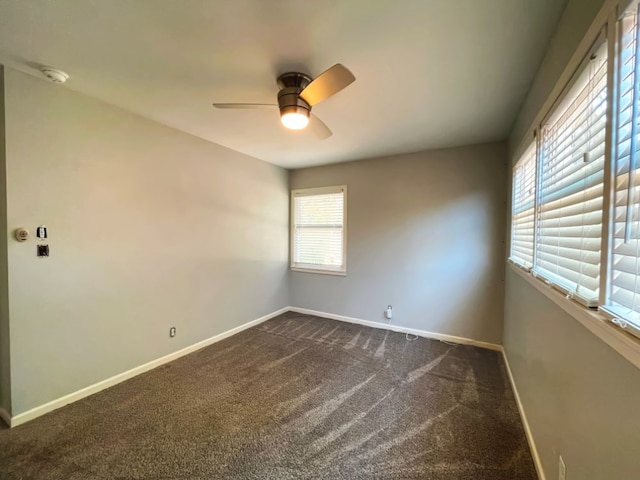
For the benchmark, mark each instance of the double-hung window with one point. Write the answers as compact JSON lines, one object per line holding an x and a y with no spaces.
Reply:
{"x":558,"y":187}
{"x":571,"y":184}
{"x":623,"y":286}
{"x":318,"y":233}
{"x":576,"y":189}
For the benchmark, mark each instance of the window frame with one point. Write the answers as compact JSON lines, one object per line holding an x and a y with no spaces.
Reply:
{"x":535,"y":140}
{"x":310,"y":268}
{"x":606,"y":309}
{"x":553,"y":112}
{"x":601,"y":323}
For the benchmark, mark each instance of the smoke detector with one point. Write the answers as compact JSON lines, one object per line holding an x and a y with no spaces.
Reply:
{"x":55,"y":75}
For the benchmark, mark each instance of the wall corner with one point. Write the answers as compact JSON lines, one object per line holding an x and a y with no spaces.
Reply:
{"x":5,"y":357}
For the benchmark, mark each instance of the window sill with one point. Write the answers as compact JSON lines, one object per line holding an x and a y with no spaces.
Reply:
{"x":622,"y":342}
{"x":321,"y":272}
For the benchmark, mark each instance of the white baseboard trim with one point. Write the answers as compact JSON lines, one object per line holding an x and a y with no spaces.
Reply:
{"x":4,"y":415}
{"x":14,"y":421}
{"x":97,"y":387}
{"x":452,"y":339}
{"x":525,"y":423}
{"x":398,"y":328}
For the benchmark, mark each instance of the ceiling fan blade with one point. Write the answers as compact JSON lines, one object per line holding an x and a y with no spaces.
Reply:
{"x":243,"y":105}
{"x":326,"y":84}
{"x":319,"y":128}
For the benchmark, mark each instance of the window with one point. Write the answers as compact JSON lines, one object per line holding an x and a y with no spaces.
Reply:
{"x":318,"y":234}
{"x":576,"y":191}
{"x":570,"y":188}
{"x":558,"y":188}
{"x":623,"y":292}
{"x":523,"y":213}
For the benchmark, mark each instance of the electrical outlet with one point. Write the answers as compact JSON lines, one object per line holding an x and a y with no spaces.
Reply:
{"x":562,"y":469}
{"x":172,"y":332}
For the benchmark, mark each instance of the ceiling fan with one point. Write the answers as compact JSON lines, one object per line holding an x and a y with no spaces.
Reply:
{"x":298,"y":93}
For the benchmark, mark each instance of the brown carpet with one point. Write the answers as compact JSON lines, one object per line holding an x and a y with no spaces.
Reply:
{"x":297,"y":397}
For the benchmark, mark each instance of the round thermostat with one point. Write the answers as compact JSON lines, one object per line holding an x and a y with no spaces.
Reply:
{"x":22,"y":234}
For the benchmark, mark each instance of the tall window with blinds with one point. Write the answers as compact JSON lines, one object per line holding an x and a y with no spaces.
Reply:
{"x":318,"y":240}
{"x":623,"y":286}
{"x":570,"y":189}
{"x":523,"y":208}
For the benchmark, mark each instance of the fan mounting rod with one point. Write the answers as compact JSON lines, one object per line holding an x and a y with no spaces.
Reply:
{"x":294,"y":111}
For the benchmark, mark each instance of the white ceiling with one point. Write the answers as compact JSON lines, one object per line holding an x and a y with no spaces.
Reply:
{"x":430,"y":73}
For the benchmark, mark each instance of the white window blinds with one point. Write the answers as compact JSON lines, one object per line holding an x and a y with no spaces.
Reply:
{"x":318,"y":229}
{"x":570,"y":202}
{"x":624,"y":279}
{"x":523,"y":205}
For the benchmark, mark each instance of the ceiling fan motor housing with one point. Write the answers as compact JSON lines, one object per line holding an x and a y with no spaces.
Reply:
{"x":289,"y":101}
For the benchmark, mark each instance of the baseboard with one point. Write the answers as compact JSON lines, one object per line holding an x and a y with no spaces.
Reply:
{"x":525,"y":423}
{"x":398,"y":328}
{"x":446,"y":338}
{"x":14,"y":421}
{"x":97,"y":387}
{"x":4,"y":415}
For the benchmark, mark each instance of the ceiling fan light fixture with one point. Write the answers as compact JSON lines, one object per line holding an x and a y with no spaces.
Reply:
{"x":298,"y":93}
{"x":294,"y":118}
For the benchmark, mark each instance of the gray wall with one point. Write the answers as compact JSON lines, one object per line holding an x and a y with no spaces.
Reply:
{"x":149,"y":228}
{"x":5,"y":359}
{"x":573,"y":24}
{"x":580,"y":396}
{"x":425,"y":234}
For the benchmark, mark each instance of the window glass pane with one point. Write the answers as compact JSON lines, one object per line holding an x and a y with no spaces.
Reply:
{"x":523,"y":204}
{"x":318,"y":229}
{"x":570,"y":188}
{"x":624,"y":280}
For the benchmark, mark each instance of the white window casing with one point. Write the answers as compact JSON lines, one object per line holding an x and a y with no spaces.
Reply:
{"x":318,"y":230}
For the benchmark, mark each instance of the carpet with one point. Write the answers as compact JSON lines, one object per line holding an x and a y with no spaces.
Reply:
{"x":297,"y":397}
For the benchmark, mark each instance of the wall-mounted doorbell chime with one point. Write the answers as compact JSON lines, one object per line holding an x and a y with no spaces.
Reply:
{"x":22,"y":235}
